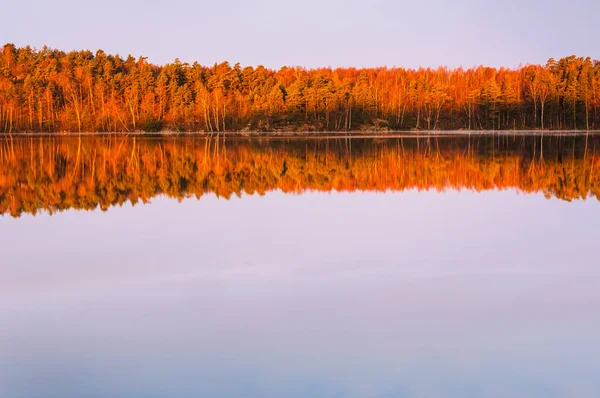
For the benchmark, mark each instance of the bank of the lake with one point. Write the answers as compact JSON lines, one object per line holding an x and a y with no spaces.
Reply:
{"x":308,"y":134}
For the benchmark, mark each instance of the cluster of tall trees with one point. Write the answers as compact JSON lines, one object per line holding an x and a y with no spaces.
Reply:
{"x":58,"y":173}
{"x":48,"y":90}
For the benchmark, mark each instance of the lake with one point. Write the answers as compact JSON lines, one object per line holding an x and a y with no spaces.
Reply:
{"x":446,"y":266}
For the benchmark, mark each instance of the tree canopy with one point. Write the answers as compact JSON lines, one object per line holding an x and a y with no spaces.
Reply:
{"x":48,"y":90}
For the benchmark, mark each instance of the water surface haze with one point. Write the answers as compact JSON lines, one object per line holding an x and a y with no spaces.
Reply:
{"x":448,"y":267}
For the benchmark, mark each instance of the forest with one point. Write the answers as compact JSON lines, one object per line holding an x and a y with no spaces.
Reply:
{"x":48,"y":90}
{"x":59,"y":173}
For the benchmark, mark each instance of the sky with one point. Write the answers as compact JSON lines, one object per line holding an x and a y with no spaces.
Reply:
{"x":313,"y":33}
{"x":426,"y":294}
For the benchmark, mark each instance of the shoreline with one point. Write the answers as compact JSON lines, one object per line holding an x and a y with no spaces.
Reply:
{"x":312,"y":134}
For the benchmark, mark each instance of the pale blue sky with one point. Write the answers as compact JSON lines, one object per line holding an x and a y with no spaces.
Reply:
{"x":364,"y":294}
{"x":313,"y":32}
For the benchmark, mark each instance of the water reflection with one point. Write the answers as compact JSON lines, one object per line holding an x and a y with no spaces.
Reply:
{"x":434,"y":291}
{"x":412,"y":294}
{"x":56,"y":173}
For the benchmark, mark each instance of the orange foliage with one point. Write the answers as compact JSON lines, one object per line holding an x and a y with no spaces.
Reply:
{"x":49,"y":90}
{"x":59,"y":173}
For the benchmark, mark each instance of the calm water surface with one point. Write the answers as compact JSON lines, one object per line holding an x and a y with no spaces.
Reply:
{"x":299,"y":268}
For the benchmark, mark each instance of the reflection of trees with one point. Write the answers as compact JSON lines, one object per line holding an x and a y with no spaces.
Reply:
{"x":85,"y":173}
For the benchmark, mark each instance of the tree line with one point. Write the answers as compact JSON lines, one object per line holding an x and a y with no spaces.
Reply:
{"x":48,"y":90}
{"x":60,"y":173}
